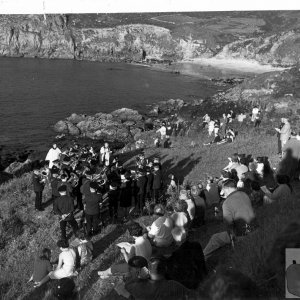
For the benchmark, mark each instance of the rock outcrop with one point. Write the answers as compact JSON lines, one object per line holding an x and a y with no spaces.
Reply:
{"x":120,"y":125}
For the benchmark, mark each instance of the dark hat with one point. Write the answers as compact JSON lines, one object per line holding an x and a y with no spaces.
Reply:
{"x":62,"y":244}
{"x":66,"y":159}
{"x":155,"y":165}
{"x":114,"y":184}
{"x":84,"y":156}
{"x":54,"y":171}
{"x":62,"y":188}
{"x":147,"y":169}
{"x":94,"y":185}
{"x":64,"y":288}
{"x":137,"y":262}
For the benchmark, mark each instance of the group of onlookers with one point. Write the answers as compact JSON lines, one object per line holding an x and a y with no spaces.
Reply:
{"x":159,"y":255}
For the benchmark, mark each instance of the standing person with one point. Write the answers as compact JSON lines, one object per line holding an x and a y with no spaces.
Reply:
{"x":278,"y":139}
{"x":163,"y":131}
{"x":64,"y":181}
{"x":113,"y":197}
{"x":255,"y":113}
{"x":149,"y":185}
{"x":238,"y":216}
{"x":53,"y":154}
{"x":141,"y":183}
{"x":105,"y":155}
{"x":125,"y":196}
{"x":211,"y":127}
{"x":92,"y":209}
{"x":169,"y":129}
{"x":38,"y":187}
{"x":64,"y":207}
{"x":157,"y":182}
{"x":285,"y":132}
{"x":54,"y":181}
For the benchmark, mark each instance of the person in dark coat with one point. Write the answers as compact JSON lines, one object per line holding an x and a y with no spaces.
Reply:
{"x":125,"y":195}
{"x":113,"y":197}
{"x":92,"y":209}
{"x":38,"y":187}
{"x":157,"y":183}
{"x":141,"y":183}
{"x":64,"y":181}
{"x":64,"y":207}
{"x":54,"y":181}
{"x":149,"y":185}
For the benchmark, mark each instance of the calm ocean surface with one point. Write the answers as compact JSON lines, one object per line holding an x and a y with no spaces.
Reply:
{"x":35,"y":93}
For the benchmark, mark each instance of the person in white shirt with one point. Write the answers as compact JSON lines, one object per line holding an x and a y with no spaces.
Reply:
{"x":191,"y":205}
{"x":255,"y":112}
{"x":52,"y":155}
{"x":141,"y":247}
{"x":105,"y":154}
{"x":163,"y":131}
{"x":161,"y":229}
{"x":211,"y":127}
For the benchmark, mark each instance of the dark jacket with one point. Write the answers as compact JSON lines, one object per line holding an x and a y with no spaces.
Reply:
{"x":68,"y":185}
{"x":92,"y":201}
{"x":85,"y":187}
{"x":141,"y":184}
{"x":54,"y":186}
{"x":149,"y":182}
{"x":157,"y":180}
{"x":64,"y":205}
{"x":37,"y":185}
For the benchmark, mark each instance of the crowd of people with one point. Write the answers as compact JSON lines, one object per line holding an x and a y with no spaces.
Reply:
{"x":161,"y":262}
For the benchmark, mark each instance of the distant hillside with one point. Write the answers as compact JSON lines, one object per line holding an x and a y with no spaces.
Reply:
{"x":268,"y":37}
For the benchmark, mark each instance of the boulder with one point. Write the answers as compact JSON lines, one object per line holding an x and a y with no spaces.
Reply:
{"x":127,"y":114}
{"x":74,"y":118}
{"x":72,"y":129}
{"x":61,"y":127}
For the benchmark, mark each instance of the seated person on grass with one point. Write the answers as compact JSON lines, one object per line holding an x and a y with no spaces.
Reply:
{"x":66,"y":263}
{"x":282,"y":192}
{"x":217,"y":139}
{"x":238,"y":216}
{"x":141,"y":247}
{"x":157,"y":287}
{"x":42,"y":266}
{"x":160,"y":232}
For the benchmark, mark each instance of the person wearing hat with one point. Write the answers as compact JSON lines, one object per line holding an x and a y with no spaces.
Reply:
{"x":86,"y":181}
{"x":161,"y":229}
{"x":64,"y":207}
{"x":157,"y":182}
{"x":66,"y":263}
{"x":149,"y":176}
{"x":53,"y":154}
{"x":113,"y":198}
{"x":141,"y":184}
{"x":191,"y":205}
{"x":92,"y":209}
{"x":125,"y":195}
{"x":64,"y":181}
{"x":105,"y":155}
{"x":38,"y":187}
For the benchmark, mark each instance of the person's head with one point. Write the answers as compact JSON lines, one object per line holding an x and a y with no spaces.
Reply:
{"x":180,"y":206}
{"x":54,"y":146}
{"x":235,"y":158}
{"x":243,"y":161}
{"x":106,"y":145}
{"x":157,"y":268}
{"x":183,"y":195}
{"x":63,"y":178}
{"x":195,"y":190}
{"x":136,"y":263}
{"x":62,"y":190}
{"x":282,"y":179}
{"x":45,"y":254}
{"x":135,"y":230}
{"x":36,"y":170}
{"x":227,"y":284}
{"x":156,"y":167}
{"x":229,"y":186}
{"x":159,"y":210}
{"x":62,"y":244}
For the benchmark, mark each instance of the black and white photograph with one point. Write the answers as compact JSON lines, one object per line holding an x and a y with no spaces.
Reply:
{"x":149,"y":150}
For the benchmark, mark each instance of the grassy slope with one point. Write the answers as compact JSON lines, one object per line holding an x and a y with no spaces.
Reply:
{"x":30,"y":230}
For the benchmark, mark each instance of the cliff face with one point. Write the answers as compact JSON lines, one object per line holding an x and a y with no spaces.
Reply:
{"x":163,"y":37}
{"x":53,"y":37}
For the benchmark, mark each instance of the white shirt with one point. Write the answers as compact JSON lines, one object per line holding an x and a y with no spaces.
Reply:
{"x":68,"y":259}
{"x":143,"y":247}
{"x":191,"y":208}
{"x":105,"y":155}
{"x":162,"y":130}
{"x":52,"y":155}
{"x":180,"y":219}
{"x":161,"y":230}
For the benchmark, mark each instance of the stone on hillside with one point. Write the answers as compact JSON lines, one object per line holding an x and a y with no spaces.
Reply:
{"x":61,"y":127}
{"x":129,"y":123}
{"x":72,"y":129}
{"x":154,"y":111}
{"x":127,"y":114}
{"x":74,"y":118}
